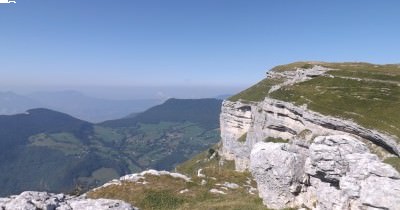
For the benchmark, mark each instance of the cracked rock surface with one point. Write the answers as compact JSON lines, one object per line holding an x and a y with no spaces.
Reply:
{"x":31,"y":200}
{"x":338,"y":173}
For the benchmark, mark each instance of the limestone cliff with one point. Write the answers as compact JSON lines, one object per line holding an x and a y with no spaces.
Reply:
{"x":301,"y":158}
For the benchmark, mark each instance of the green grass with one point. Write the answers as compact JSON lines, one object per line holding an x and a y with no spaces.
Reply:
{"x":162,"y":192}
{"x":365,"y":70}
{"x":67,"y":143}
{"x":276,"y":140}
{"x":107,"y":134}
{"x":154,"y":199}
{"x":393,"y":161}
{"x":257,"y":92}
{"x":294,"y":66}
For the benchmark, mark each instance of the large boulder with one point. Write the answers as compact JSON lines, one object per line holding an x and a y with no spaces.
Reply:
{"x":279,"y":173}
{"x":345,"y":175}
{"x":336,"y":172}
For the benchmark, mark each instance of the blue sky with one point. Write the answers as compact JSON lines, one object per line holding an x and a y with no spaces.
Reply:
{"x":215,"y":43}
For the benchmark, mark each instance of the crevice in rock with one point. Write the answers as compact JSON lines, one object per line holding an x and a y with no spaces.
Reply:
{"x":390,"y":177}
{"x":244,"y":108}
{"x":303,"y":146}
{"x":296,"y":112}
{"x":282,"y":128}
{"x":377,"y":207}
{"x":295,"y":119}
{"x":322,"y":176}
{"x":241,"y":117}
{"x":281,"y":106}
{"x":346,"y":129}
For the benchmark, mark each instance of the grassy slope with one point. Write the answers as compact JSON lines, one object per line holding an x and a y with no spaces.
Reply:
{"x":204,"y":112}
{"x":257,"y":92}
{"x":163,"y":192}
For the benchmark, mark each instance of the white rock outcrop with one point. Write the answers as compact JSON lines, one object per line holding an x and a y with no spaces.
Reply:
{"x":141,"y":177}
{"x":215,"y":191}
{"x":345,"y":175}
{"x":296,"y":76}
{"x":31,"y":200}
{"x":278,"y":173}
{"x":278,"y":119}
{"x":338,"y":173}
{"x":235,"y":122}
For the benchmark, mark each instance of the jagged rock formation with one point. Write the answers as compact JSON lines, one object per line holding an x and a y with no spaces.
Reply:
{"x":30,"y":200}
{"x":301,"y":158}
{"x":338,"y":172}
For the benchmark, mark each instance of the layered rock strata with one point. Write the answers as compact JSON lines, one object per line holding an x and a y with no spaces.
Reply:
{"x":277,"y":119}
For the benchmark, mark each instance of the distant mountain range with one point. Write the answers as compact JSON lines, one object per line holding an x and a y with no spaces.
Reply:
{"x":74,"y":103}
{"x":11,"y":103}
{"x":47,"y":150}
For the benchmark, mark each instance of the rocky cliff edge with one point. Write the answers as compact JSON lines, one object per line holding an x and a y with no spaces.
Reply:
{"x":300,"y":158}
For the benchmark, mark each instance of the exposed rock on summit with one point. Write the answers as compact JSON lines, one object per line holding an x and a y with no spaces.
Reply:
{"x":30,"y":200}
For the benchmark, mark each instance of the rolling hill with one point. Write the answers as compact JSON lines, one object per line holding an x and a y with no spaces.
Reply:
{"x":47,"y":150}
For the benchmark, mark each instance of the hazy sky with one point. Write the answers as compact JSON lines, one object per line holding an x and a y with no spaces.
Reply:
{"x":215,"y":43}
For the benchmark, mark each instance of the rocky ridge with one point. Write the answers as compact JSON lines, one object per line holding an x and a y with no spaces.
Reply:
{"x":30,"y":200}
{"x":320,"y":162}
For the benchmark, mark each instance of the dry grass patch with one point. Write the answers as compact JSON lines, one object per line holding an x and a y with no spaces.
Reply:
{"x":165,"y":192}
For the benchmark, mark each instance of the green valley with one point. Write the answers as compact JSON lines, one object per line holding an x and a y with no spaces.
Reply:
{"x":48,"y":150}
